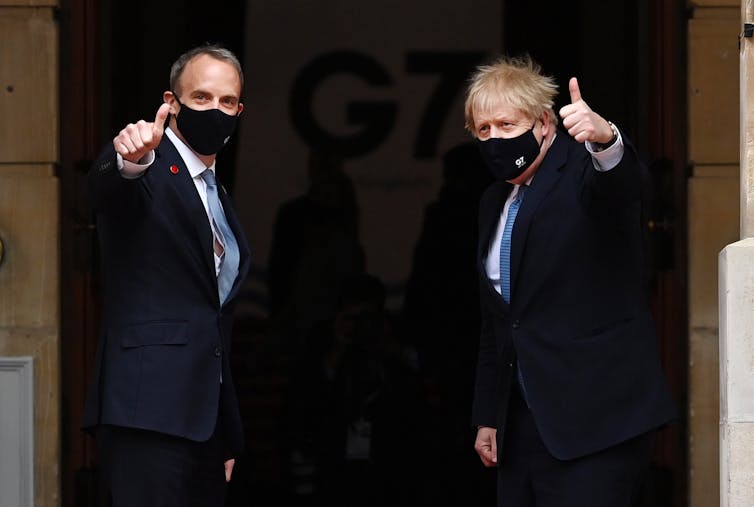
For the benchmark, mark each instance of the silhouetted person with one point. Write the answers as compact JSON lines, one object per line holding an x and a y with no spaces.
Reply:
{"x":315,"y":246}
{"x":355,"y":403}
{"x":439,"y":304}
{"x":441,"y":317}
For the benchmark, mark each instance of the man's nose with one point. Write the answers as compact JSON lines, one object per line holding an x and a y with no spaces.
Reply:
{"x":496,"y":132}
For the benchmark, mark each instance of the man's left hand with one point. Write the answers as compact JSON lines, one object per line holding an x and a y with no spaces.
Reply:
{"x":229,"y":469}
{"x":582,"y":123}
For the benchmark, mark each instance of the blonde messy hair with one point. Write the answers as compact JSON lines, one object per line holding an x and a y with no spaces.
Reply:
{"x":517,"y":81}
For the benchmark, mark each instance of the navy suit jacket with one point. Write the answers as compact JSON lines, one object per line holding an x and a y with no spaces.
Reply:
{"x":165,"y":339}
{"x":578,"y":321}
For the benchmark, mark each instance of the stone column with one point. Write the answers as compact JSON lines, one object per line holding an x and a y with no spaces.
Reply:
{"x":737,"y":374}
{"x":736,"y":293}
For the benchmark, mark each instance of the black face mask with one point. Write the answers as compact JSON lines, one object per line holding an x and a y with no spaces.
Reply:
{"x":507,"y":159}
{"x":207,"y":131}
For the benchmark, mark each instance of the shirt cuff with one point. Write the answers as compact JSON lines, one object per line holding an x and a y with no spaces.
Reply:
{"x":606,"y":159}
{"x":131,"y":170}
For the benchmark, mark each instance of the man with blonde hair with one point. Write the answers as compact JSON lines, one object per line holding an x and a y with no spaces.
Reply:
{"x":569,"y":391}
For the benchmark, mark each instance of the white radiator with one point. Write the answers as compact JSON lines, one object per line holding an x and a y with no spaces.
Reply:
{"x":16,"y":432}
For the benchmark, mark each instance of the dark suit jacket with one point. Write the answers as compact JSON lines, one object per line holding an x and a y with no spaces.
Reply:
{"x":578,"y":321}
{"x":165,"y":338}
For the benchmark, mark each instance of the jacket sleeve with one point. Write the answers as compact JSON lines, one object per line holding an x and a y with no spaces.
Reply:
{"x":618,"y":187}
{"x":111,"y":193}
{"x":485,"y":406}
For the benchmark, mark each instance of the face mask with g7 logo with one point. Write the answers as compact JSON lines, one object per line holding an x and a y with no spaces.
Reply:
{"x":507,"y":159}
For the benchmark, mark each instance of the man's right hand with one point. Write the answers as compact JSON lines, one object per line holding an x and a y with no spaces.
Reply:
{"x":137,"y":140}
{"x":486,"y":445}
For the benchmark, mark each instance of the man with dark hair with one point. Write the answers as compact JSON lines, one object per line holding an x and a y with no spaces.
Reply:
{"x":161,"y":402}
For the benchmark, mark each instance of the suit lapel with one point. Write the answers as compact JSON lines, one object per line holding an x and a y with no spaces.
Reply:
{"x":196,"y":215}
{"x":243,"y":247}
{"x":490,"y":219}
{"x":544,"y":180}
{"x":491,"y":215}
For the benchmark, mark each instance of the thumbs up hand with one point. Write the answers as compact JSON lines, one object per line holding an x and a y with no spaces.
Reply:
{"x":582,"y":123}
{"x":137,"y":140}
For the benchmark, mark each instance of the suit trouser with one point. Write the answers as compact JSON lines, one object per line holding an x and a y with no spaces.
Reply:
{"x":528,"y":475}
{"x":148,"y":469}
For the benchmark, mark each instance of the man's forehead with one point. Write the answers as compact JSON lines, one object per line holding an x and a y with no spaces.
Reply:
{"x":497,"y":107}
{"x":207,"y":66}
{"x":206,"y":78}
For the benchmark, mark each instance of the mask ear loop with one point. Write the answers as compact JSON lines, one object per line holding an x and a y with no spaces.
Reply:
{"x":541,"y":142}
{"x":175,"y":96}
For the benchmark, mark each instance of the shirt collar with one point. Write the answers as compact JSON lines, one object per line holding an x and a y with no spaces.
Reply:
{"x":193,"y":164}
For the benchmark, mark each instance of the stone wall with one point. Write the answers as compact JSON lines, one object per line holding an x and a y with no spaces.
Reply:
{"x":29,"y":219}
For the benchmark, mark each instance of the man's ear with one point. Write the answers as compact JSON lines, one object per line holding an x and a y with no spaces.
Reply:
{"x":169,"y":98}
{"x":546,"y":123}
{"x":240,"y":109}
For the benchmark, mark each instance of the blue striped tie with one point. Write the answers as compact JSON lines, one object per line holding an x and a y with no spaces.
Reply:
{"x":505,"y":246}
{"x":229,"y":265}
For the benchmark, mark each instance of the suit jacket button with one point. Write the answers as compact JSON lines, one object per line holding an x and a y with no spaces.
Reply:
{"x":516,"y":324}
{"x":218,"y":352}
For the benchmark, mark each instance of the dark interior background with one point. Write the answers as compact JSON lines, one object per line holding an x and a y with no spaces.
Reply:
{"x":619,"y":50}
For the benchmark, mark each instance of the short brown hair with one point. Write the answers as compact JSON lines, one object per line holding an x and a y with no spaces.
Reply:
{"x":213,"y":50}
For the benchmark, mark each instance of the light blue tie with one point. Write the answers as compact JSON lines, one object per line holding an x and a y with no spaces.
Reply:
{"x":229,"y":264}
{"x":505,"y":246}
{"x":505,"y":266}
